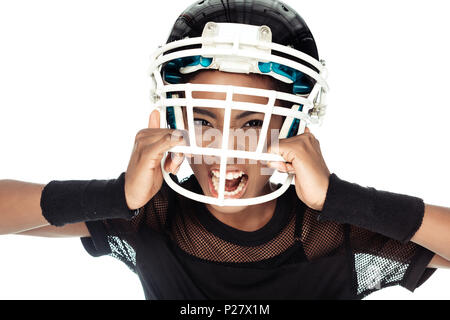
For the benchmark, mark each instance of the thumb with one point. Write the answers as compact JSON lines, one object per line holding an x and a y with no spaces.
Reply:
{"x":307,"y":130}
{"x":153,"y":121}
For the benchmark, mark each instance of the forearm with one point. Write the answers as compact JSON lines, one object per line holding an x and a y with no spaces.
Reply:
{"x":393,"y":215}
{"x":434,"y":232}
{"x":20,"y":206}
{"x":400,"y":217}
{"x":25,"y":206}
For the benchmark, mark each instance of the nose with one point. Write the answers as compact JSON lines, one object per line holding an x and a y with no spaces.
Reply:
{"x":238,"y":139}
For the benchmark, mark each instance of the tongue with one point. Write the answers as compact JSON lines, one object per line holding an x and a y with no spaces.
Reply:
{"x":231,"y":185}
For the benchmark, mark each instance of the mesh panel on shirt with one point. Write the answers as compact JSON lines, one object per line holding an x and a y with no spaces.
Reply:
{"x":195,"y":240}
{"x":377,"y":260}
{"x":320,"y":238}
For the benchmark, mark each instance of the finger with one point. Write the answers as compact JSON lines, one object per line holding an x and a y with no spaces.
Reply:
{"x":153,"y":152}
{"x":154,"y":119}
{"x":307,"y":130}
{"x":173,"y":162}
{"x":177,"y":162}
{"x":158,"y":142}
{"x":169,"y":141}
{"x":151,"y":135}
{"x":284,"y":149}
{"x":168,"y":162}
{"x":290,"y":168}
{"x":281,"y":166}
{"x":148,"y":153}
{"x":278,"y":165}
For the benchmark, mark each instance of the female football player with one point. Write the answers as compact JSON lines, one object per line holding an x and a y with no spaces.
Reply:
{"x":234,"y":91}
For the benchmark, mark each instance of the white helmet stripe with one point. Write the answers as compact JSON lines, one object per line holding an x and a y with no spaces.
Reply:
{"x":239,"y":53}
{"x":225,"y":141}
{"x":190,"y":115}
{"x":218,"y":152}
{"x":265,"y":127}
{"x":263,"y":45}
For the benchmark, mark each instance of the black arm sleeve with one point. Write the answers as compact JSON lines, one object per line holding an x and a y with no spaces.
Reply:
{"x":64,"y":202}
{"x":396,"y":216}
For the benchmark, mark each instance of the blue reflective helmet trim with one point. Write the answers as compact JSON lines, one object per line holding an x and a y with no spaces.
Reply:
{"x":170,"y":114}
{"x":294,"y":125}
{"x":265,"y":67}
{"x":302,"y":84}
{"x":172,"y":78}
{"x":171,"y":70}
{"x":301,"y":88}
{"x":205,"y":62}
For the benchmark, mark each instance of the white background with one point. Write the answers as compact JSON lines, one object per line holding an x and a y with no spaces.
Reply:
{"x":74,"y":92}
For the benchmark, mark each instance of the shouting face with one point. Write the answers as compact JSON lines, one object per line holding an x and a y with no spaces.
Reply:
{"x":244,"y":178}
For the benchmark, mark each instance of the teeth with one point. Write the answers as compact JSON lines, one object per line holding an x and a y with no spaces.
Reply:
{"x":215,"y":181}
{"x":237,"y":175}
{"x":238,"y":189}
{"x":230,"y":175}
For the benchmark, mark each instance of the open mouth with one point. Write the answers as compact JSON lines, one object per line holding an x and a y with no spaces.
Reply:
{"x":235,"y":183}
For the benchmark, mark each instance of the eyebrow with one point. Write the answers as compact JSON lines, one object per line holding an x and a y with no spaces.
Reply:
{"x":204,"y":112}
{"x":212,"y":115}
{"x":245,"y":114}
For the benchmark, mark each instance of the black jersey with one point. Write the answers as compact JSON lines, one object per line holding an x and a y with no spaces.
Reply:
{"x":179,"y":250}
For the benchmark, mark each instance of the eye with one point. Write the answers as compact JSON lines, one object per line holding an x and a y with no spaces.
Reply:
{"x":201,"y":122}
{"x":254,"y":123}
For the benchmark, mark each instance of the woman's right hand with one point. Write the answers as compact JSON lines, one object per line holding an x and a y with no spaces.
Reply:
{"x":143,"y":177}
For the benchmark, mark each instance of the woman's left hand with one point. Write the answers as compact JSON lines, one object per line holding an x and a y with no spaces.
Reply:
{"x":304,"y":158}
